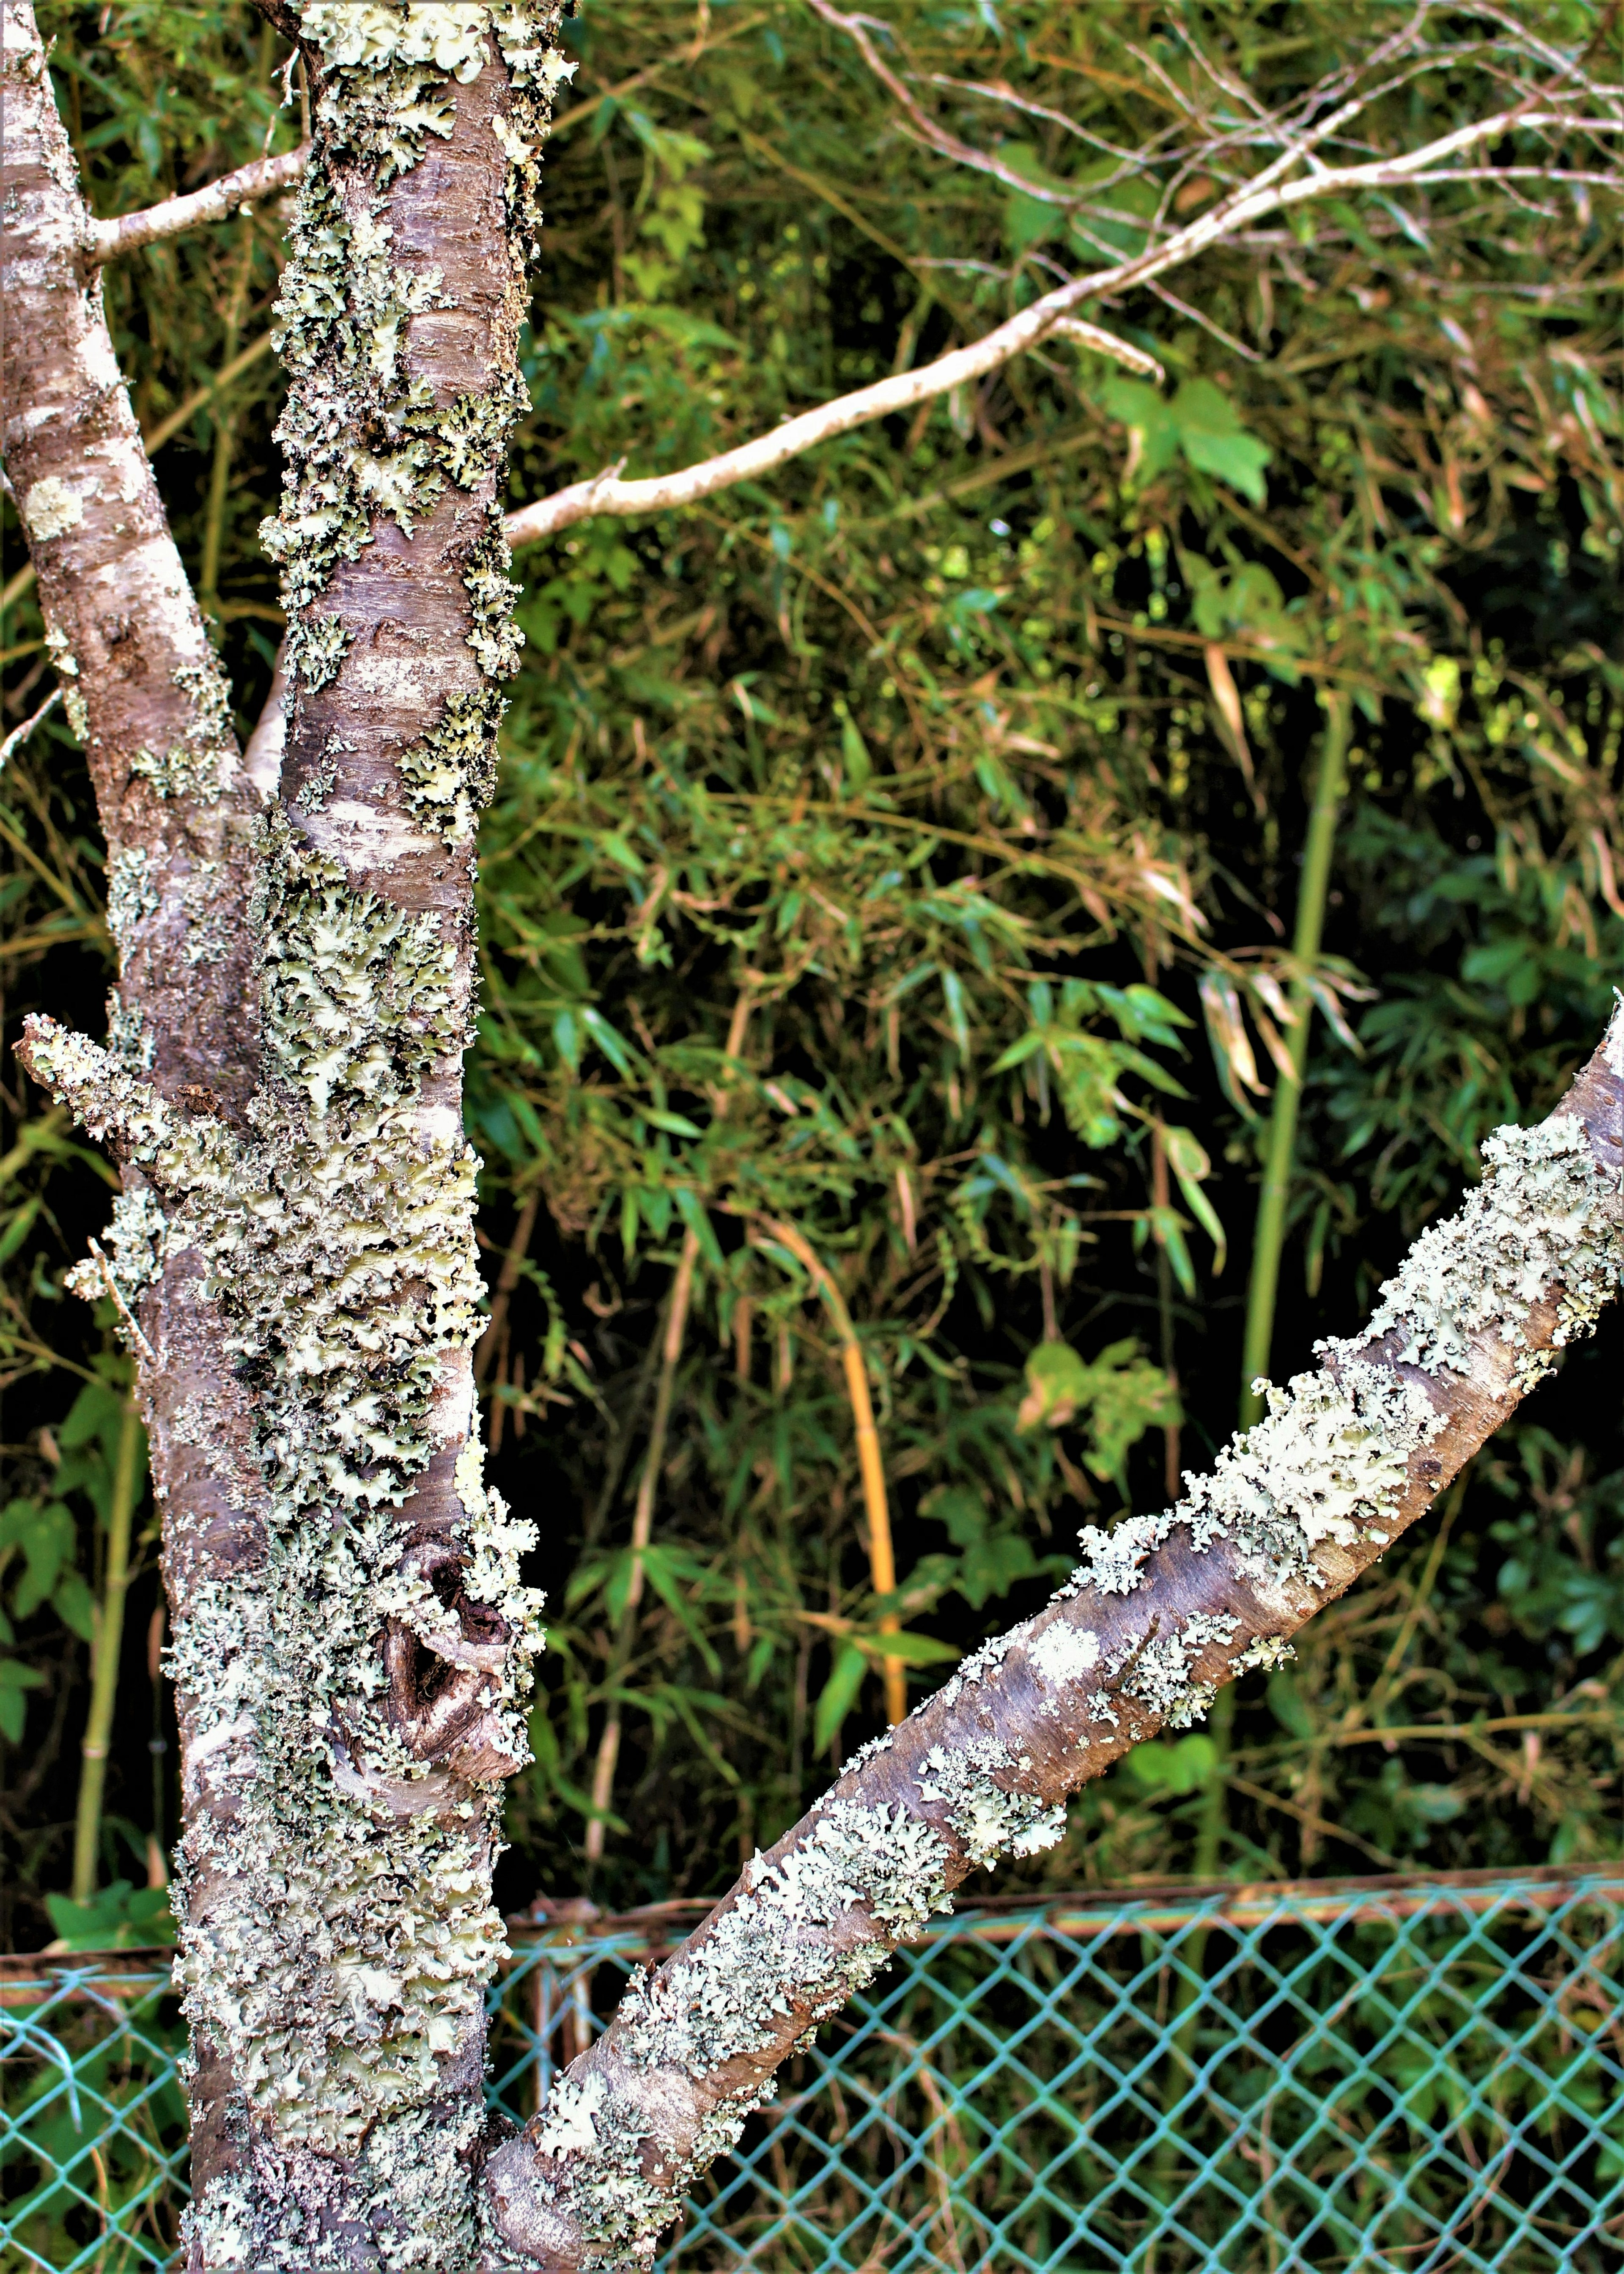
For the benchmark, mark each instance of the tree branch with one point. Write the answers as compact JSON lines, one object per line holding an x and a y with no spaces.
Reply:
{"x":1267,"y":191}
{"x":231,"y":193}
{"x":142,"y":688}
{"x":1161,"y":1612}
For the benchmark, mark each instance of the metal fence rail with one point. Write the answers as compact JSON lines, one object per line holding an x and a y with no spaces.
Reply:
{"x":1398,"y":2076}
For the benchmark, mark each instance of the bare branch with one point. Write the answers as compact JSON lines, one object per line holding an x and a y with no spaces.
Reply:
{"x":937,"y":138}
{"x":1163,"y":1610}
{"x":18,"y":735}
{"x":1267,"y":192}
{"x":231,"y":193}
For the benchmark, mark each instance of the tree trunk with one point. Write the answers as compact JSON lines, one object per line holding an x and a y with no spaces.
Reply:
{"x":351,"y":1645}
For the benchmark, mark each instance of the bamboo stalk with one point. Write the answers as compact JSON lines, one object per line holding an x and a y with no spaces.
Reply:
{"x":1279,"y":1159}
{"x":1161,"y":1200}
{"x":1269,"y":1241}
{"x":105,"y":1650}
{"x":225,"y":433}
{"x":882,"y":1557}
{"x":1279,"y":1151}
{"x":643,"y":1527}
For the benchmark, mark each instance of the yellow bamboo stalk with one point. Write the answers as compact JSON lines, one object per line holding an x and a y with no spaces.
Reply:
{"x":882,"y":1556}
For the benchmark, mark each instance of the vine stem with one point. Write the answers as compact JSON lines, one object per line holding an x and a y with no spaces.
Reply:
{"x":105,"y":1650}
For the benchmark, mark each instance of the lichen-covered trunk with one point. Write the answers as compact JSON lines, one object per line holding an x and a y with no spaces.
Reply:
{"x":352,"y":1644}
{"x":1162,"y":1611}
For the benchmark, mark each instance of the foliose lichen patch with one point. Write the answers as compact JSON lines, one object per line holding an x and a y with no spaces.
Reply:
{"x":1545,"y":1213}
{"x":880,"y":1872}
{"x":990,"y":1819}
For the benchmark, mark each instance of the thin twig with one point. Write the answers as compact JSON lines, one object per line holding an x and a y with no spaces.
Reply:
{"x":18,"y":735}
{"x":120,"y":1305}
{"x":247,"y":186}
{"x":1266,"y":191}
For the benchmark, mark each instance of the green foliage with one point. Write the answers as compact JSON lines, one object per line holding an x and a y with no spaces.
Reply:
{"x":1199,"y":424}
{"x":1122,"y":1395}
{"x":873,"y":853}
{"x":118,"y":1917}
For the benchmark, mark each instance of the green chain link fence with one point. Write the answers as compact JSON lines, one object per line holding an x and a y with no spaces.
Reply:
{"x":1396,"y":2076}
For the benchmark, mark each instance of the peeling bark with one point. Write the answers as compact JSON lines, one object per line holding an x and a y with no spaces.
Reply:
{"x":1162,"y":1611}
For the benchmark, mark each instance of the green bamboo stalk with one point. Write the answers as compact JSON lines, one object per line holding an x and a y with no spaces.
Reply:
{"x":1268,"y":1242}
{"x":1279,"y":1159}
{"x":105,"y":1652}
{"x":225,"y":430}
{"x":1280,"y":1150}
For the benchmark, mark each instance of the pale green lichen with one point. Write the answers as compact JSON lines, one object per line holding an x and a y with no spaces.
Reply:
{"x":988,"y":1817}
{"x":134,"y":1245}
{"x":338,"y":1922}
{"x":1544,"y":1216}
{"x":360,"y":994}
{"x":369,"y":35}
{"x":1062,"y":1653}
{"x":210,"y":934}
{"x":1329,"y":1460}
{"x":776,"y":1949}
{"x":340,"y":1259}
{"x":200,"y":764}
{"x":50,"y":509}
{"x":132,"y":895}
{"x":129,"y":1037}
{"x":317,"y":645}
{"x":1156,"y":1671}
{"x":65,"y":664}
{"x":770,"y":1950}
{"x":450,"y":774}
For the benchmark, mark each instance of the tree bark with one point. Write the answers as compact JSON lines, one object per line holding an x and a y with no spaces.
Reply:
{"x":144,"y":691}
{"x":351,"y":1643}
{"x":1161,"y":1612}
{"x":182,"y":819}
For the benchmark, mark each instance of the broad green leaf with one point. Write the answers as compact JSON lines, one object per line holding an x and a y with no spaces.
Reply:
{"x":839,"y":1694}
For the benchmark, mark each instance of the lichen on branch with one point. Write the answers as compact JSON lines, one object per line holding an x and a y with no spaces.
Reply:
{"x":1161,"y":1611}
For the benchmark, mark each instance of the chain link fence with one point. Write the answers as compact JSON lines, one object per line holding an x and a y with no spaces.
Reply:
{"x":1400,"y":2076}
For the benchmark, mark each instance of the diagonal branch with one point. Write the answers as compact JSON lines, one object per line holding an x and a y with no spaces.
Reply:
{"x":1267,"y":191}
{"x":231,"y":193}
{"x":1163,"y":1610}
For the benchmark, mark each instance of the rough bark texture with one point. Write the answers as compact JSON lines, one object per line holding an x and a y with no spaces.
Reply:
{"x":1161,"y":1612}
{"x":351,"y":1641}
